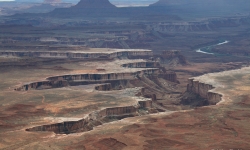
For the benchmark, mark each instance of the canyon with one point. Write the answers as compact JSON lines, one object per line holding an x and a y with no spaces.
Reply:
{"x":143,"y":71}
{"x":116,"y":76}
{"x":97,"y":76}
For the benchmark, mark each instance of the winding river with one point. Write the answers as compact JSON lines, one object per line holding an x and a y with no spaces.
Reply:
{"x":206,"y":50}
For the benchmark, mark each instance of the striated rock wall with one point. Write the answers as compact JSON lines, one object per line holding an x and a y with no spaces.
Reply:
{"x":86,"y":124}
{"x":108,"y":76}
{"x":145,"y":104}
{"x":58,"y":54}
{"x":113,"y":85}
{"x":203,"y":90}
{"x":170,"y":76}
{"x":97,"y":118}
{"x":84,"y":79}
{"x":213,"y":98}
{"x":117,"y":111}
{"x":43,"y":85}
{"x":142,"y":65}
{"x":68,"y":127}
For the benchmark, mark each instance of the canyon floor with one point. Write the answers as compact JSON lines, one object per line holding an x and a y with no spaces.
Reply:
{"x":165,"y":124}
{"x":124,"y":82}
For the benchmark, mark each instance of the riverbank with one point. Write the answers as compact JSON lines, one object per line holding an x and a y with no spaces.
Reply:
{"x":206,"y":50}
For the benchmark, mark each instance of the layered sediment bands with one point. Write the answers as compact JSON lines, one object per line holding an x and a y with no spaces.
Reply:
{"x":112,"y":81}
{"x":117,"y":111}
{"x":116,"y":79}
{"x":114,"y":85}
{"x":68,"y":127}
{"x":109,"y":76}
{"x":203,"y":90}
{"x":170,"y":76}
{"x":173,"y":57}
{"x":142,"y":65}
{"x":78,"y":54}
{"x":145,"y":104}
{"x":94,"y":119}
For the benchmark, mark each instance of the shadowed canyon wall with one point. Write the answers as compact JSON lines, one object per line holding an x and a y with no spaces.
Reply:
{"x":84,"y":79}
{"x":58,"y":54}
{"x":94,"y":119}
{"x":203,"y":90}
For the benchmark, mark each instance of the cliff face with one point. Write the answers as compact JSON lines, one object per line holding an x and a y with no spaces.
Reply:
{"x":94,"y":119}
{"x":117,"y":111}
{"x":142,"y":65}
{"x":110,"y":81}
{"x":82,"y":55}
{"x":203,"y":90}
{"x":68,"y":127}
{"x":171,"y":58}
{"x":170,"y":76}
{"x":97,"y":118}
{"x":145,"y":104}
{"x":108,"y":76}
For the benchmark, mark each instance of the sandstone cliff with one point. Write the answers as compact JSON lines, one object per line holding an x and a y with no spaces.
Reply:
{"x":203,"y":90}
{"x":142,"y":65}
{"x":94,"y":119}
{"x":78,"y":54}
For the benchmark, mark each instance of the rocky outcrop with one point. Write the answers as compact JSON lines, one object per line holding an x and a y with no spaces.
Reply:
{"x":145,"y":104}
{"x":78,"y":54}
{"x":170,"y":76}
{"x":94,"y":119}
{"x":110,"y":81}
{"x":203,"y":90}
{"x":117,"y":111}
{"x":171,"y":58}
{"x":94,"y":4}
{"x":68,"y":127}
{"x":116,"y":80}
{"x":142,"y":65}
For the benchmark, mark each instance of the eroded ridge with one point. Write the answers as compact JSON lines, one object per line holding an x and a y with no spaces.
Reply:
{"x":146,"y":74}
{"x":87,"y":54}
{"x":219,"y":88}
{"x":204,"y":91}
{"x":84,"y":79}
{"x":99,"y":117}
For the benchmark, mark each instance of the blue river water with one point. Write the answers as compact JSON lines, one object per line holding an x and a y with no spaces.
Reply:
{"x":206,"y":50}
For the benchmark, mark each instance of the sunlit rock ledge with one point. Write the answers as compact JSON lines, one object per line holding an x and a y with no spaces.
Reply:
{"x":223,"y":87}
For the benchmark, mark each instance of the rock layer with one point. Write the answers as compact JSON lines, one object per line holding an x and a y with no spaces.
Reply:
{"x":83,"y":79}
{"x":94,"y":119}
{"x":79,"y":54}
{"x":203,"y":90}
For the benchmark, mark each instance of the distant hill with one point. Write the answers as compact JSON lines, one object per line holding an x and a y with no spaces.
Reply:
{"x":209,"y":7}
{"x":94,"y":4}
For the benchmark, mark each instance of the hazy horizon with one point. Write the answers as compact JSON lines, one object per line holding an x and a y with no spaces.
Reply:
{"x":118,"y":3}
